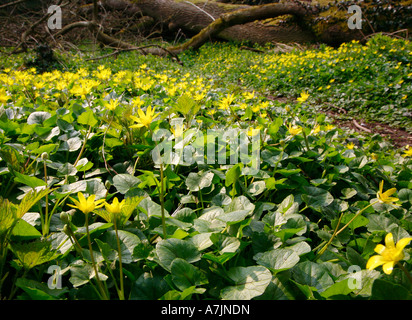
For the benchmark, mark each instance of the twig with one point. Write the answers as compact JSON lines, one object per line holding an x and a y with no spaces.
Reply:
{"x":207,"y":13}
{"x":136,"y":48}
{"x":357,"y":125}
{"x":12,"y":4}
{"x":336,"y":107}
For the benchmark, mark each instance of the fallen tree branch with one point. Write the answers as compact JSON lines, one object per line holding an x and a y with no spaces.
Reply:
{"x":141,"y":49}
{"x":241,"y":16}
{"x":357,"y":125}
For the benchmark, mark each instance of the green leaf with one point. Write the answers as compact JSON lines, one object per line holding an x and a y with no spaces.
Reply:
{"x":24,"y":231}
{"x":123,"y":182}
{"x":185,"y":275}
{"x":338,"y":288}
{"x":151,"y":208}
{"x":197,"y":181}
{"x":186,"y":105}
{"x":148,"y":287}
{"x":33,"y":253}
{"x":12,"y":157}
{"x":82,"y":272}
{"x":274,"y":126}
{"x":170,"y":249}
{"x":66,"y":170}
{"x":405,"y":195}
{"x":286,"y":204}
{"x":71,"y":145}
{"x":95,"y":230}
{"x":386,"y":290}
{"x":87,"y":118}
{"x":348,"y":193}
{"x":256,"y":188}
{"x":128,"y":241}
{"x":312,"y":274}
{"x":48,"y":148}
{"x":360,"y":221}
{"x":38,"y":117}
{"x":277,"y":259}
{"x":29,"y":200}
{"x":39,"y":291}
{"x":285,"y":234}
{"x":233,"y":174}
{"x":84,"y":164}
{"x":224,"y":243}
{"x":234,"y":216}
{"x":30,"y":181}
{"x":250,"y":282}
{"x":317,"y":198}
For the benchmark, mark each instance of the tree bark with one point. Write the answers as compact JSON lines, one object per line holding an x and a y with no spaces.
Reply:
{"x":238,"y":17}
{"x":194,"y":16}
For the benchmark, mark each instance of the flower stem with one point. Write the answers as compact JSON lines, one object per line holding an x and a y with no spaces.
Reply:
{"x":121,"y":292}
{"x":336,"y":231}
{"x":46,"y":217}
{"x":162,"y":201}
{"x":331,"y":238}
{"x":408,"y":275}
{"x":83,"y":146}
{"x":102,"y":291}
{"x":306,"y":139}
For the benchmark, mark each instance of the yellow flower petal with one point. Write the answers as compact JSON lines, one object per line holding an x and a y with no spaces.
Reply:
{"x":389,"y":243}
{"x":401,"y":244}
{"x":389,"y":192}
{"x":380,"y":248}
{"x":388,"y":267}
{"x":375,"y":261}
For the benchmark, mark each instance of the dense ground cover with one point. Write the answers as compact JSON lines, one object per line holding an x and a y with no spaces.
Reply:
{"x":88,"y":211}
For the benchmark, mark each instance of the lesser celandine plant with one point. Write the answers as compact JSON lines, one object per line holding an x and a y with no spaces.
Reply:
{"x":87,"y":206}
{"x":252,"y":228}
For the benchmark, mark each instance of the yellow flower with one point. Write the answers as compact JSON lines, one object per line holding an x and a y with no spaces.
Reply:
{"x":408,"y":152}
{"x":350,"y":145}
{"x":303,"y":97}
{"x":253,"y":131}
{"x":144,"y":120}
{"x":226,"y":101}
{"x":115,"y":207}
{"x":112,"y":104}
{"x":316,"y":129}
{"x":388,"y":254}
{"x":199,"y":96}
{"x":86,"y":205}
{"x":329,"y":127}
{"x":137,"y":102}
{"x":3,"y":96}
{"x":256,"y":108}
{"x":385,"y":197}
{"x":248,"y":95}
{"x":294,"y":130}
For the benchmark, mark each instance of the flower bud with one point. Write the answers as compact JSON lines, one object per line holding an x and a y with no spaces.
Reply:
{"x":65,"y":217}
{"x":44,"y":156}
{"x":66,"y":229}
{"x":107,"y":184}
